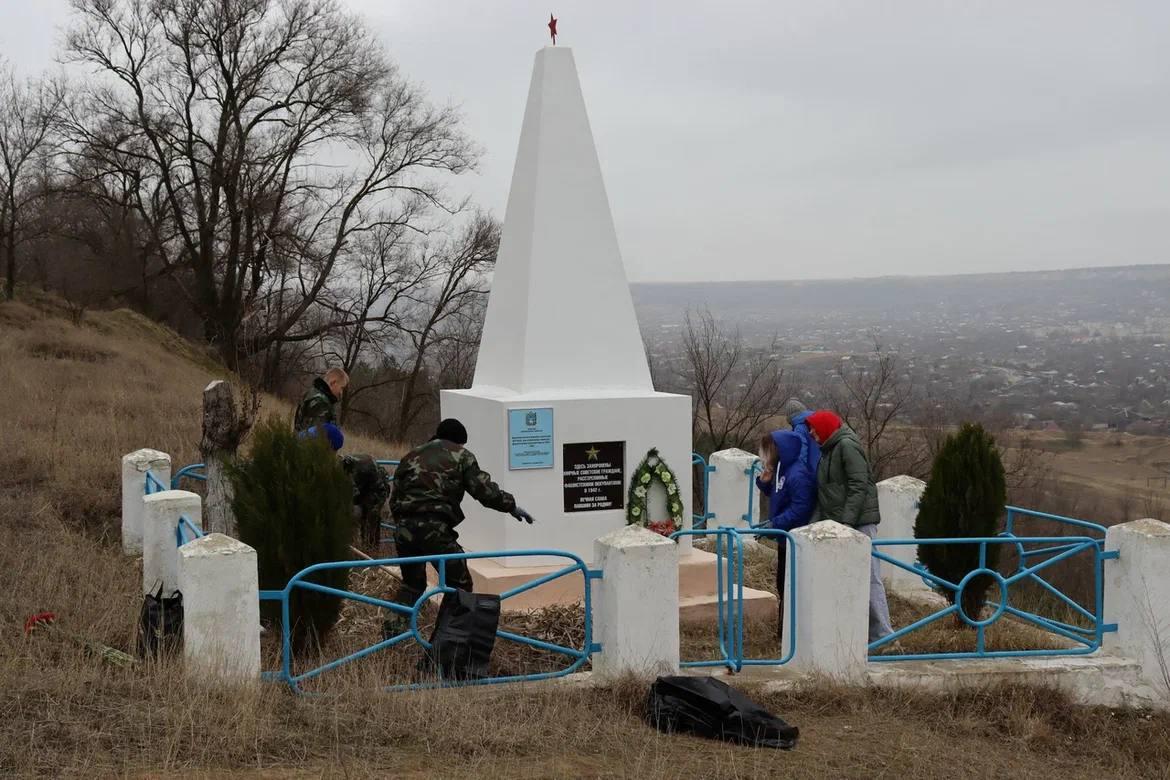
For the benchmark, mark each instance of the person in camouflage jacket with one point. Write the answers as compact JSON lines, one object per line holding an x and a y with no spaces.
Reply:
{"x":371,"y":485}
{"x":319,"y":406}
{"x":429,"y":484}
{"x":371,"y":488}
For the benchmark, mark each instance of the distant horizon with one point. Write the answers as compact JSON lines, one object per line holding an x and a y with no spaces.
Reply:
{"x":790,"y":280}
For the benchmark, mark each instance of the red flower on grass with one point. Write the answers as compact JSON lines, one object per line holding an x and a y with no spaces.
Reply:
{"x":38,"y":619}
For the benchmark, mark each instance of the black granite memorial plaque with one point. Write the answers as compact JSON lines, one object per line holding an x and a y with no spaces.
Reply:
{"x":595,"y":476}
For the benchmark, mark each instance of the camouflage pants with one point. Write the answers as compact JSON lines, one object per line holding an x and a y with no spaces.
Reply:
{"x":427,"y":535}
{"x":371,"y":488}
{"x":370,"y":524}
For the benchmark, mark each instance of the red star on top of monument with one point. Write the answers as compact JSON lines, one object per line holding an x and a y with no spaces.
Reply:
{"x":552,"y":28}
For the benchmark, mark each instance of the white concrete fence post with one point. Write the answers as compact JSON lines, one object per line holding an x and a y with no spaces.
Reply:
{"x":1137,"y":598}
{"x":160,"y":548}
{"x":898,"y":499}
{"x":134,"y":468}
{"x":832,"y":601}
{"x":221,"y":607}
{"x":728,"y":499}
{"x":635,"y":604}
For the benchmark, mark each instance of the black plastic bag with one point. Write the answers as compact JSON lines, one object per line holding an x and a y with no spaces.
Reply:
{"x":160,"y":624}
{"x":464,"y":635}
{"x":710,"y":708}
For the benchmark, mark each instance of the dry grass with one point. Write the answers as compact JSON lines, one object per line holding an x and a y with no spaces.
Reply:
{"x":947,"y":635}
{"x":78,"y":398}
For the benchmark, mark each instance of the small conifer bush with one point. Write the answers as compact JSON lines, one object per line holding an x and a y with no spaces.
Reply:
{"x":964,"y":498}
{"x":293,"y":504}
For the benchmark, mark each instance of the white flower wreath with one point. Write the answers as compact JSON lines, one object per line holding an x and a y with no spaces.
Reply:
{"x":653,"y":467}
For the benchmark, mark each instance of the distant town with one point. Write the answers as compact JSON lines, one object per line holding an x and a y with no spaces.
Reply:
{"x":1059,"y":350}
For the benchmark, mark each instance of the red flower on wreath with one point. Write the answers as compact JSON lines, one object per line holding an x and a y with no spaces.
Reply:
{"x":664,"y":527}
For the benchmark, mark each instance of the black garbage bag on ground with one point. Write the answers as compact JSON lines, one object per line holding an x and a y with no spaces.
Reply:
{"x":160,"y":624}
{"x":464,"y":635}
{"x":710,"y":708}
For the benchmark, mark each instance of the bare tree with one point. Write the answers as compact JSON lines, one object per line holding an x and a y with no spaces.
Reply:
{"x":872,"y":392}
{"x":458,"y":346}
{"x":416,"y":310}
{"x":736,"y":390}
{"x":457,"y":281}
{"x":225,"y":424}
{"x":265,"y":138}
{"x":28,"y":111}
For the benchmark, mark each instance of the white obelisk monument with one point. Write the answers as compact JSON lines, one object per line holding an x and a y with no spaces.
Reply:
{"x":562,"y":409}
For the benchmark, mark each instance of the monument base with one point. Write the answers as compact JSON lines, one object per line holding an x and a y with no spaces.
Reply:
{"x":696,"y":583}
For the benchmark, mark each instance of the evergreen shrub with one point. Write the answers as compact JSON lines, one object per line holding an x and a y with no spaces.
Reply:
{"x":964,"y":497}
{"x":292,"y":501}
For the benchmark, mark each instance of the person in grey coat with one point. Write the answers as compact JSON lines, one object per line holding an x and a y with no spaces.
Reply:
{"x":847,"y":493}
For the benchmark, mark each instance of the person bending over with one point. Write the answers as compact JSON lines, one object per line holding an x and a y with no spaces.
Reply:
{"x":429,"y":485}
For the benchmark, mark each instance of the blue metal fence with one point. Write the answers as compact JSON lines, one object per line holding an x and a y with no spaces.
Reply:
{"x":196,"y":471}
{"x":1014,"y":513}
{"x":699,"y":519}
{"x":729,"y":578}
{"x":187,"y":531}
{"x":752,"y":472}
{"x":388,"y":526}
{"x":1085,"y":638}
{"x":577,"y":656}
{"x":152,"y":484}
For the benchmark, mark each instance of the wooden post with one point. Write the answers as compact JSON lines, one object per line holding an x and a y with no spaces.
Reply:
{"x":223,"y":430}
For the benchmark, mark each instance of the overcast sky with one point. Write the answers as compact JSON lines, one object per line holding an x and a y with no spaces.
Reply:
{"x":796,"y":139}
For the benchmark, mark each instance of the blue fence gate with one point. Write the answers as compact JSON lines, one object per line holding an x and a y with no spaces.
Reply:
{"x":576,"y":657}
{"x":729,"y":550}
{"x":1080,"y":632}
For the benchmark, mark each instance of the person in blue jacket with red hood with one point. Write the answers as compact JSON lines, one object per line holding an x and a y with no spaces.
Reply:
{"x":791,"y":486}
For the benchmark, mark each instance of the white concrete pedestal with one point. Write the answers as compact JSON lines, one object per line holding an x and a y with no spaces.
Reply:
{"x":832,"y":601}
{"x":134,"y":468}
{"x":653,"y":420}
{"x":221,"y":607}
{"x":729,"y":487}
{"x":1137,"y":598}
{"x":898,"y":499}
{"x":160,"y":548}
{"x":635,"y":619}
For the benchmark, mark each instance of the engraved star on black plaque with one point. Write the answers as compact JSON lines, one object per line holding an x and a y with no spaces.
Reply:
{"x":592,"y":452}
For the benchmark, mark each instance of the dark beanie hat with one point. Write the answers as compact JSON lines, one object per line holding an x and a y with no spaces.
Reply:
{"x":452,"y":430}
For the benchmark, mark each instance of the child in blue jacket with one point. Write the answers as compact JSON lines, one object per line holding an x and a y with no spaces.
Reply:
{"x":791,"y":486}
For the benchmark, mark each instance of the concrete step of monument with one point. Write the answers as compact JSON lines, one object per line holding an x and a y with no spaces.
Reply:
{"x":757,"y":604}
{"x":698,"y":573}
{"x":696,"y":581}
{"x":1097,"y":678}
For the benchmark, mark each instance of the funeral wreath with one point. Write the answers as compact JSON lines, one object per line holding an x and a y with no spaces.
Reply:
{"x":653,"y":468}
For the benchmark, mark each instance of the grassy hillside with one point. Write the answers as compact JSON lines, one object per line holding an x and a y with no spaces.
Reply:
{"x":1108,"y":476}
{"x":79,"y":396}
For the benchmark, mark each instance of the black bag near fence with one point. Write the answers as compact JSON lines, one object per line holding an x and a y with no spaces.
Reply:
{"x":160,"y":624}
{"x":464,"y":635}
{"x":710,"y":708}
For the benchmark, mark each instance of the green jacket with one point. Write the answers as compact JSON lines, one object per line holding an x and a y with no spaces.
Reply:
{"x":846,"y":491}
{"x":318,"y":406}
{"x":432,"y":478}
